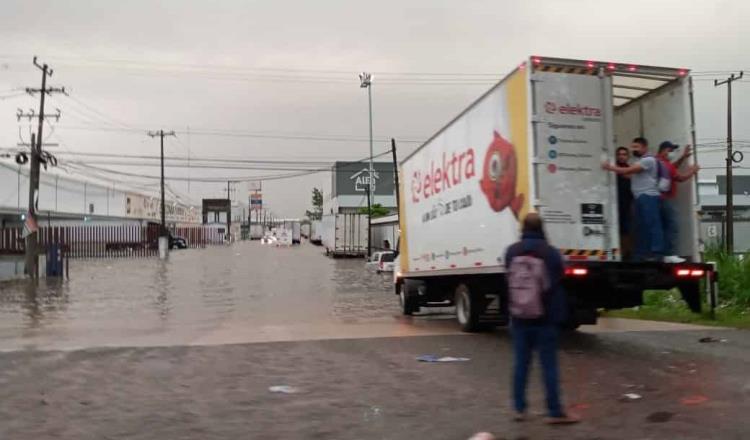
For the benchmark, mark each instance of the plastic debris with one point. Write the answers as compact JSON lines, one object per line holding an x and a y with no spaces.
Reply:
{"x":436,"y":358}
{"x":708,"y":339}
{"x":283,"y":389}
{"x":482,"y":436}
{"x":630,"y":396}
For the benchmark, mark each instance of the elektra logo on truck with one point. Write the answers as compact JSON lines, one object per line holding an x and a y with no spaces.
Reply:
{"x":574,"y":110}
{"x":454,"y":170}
{"x":497,"y":183}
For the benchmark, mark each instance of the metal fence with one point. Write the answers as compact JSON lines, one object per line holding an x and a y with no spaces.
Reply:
{"x":99,"y":241}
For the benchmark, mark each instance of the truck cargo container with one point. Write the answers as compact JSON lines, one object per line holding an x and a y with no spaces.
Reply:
{"x":256,"y":231}
{"x":344,"y":235}
{"x":536,"y":142}
{"x":316,"y":229}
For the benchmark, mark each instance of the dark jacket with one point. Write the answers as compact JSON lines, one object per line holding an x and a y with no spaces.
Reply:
{"x":555,"y":301}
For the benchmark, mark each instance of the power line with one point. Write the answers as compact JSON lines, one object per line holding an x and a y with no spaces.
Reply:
{"x":241,"y":134}
{"x":223,"y":178}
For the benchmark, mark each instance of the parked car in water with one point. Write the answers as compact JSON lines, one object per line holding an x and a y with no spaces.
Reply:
{"x":178,"y":243}
{"x":381,"y":261}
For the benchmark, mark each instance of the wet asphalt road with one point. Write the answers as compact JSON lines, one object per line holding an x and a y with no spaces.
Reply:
{"x":187,"y":349}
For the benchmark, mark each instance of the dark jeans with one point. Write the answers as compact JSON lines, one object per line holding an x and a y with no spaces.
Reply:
{"x":527,"y":338}
{"x":669,"y":222}
{"x":649,"y":230}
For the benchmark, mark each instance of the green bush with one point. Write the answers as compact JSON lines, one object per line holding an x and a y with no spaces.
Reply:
{"x":734,"y":276}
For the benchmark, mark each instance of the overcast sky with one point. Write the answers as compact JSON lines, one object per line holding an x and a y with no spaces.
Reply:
{"x":290,"y":68}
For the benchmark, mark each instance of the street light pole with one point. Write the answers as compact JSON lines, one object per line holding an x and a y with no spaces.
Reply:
{"x":366,"y":82}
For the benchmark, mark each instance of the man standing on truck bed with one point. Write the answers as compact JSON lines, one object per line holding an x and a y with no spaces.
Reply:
{"x":624,"y":203}
{"x":537,"y":308}
{"x":644,"y":183}
{"x":668,"y":208}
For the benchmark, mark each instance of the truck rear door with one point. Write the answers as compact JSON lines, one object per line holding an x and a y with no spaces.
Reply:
{"x":572,"y":130}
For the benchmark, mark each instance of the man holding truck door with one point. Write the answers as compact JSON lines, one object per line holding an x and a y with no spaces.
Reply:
{"x":644,"y":183}
{"x":668,"y":208}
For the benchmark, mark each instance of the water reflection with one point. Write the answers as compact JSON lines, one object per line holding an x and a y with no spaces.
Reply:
{"x":148,"y":301}
{"x":162,"y":287}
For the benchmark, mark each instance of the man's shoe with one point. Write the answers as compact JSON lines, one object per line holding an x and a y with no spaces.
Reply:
{"x":519,"y":417}
{"x":562,"y":420}
{"x":673,"y":259}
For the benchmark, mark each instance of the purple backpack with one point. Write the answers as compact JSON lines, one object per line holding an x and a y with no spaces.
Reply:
{"x":527,"y":283}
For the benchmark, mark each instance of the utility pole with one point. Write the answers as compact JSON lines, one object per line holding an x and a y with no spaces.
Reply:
{"x":32,"y":239}
{"x":395,"y":177}
{"x":730,"y":160}
{"x":163,"y":229}
{"x":229,"y":212}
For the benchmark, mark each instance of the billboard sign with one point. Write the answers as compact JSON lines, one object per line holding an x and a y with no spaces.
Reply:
{"x":256,"y":201}
{"x":352,"y":178}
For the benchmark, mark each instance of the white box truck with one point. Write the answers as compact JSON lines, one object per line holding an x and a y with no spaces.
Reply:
{"x":344,"y":235}
{"x":316,"y":228}
{"x":256,"y":231}
{"x":536,"y":142}
{"x":294,"y":227}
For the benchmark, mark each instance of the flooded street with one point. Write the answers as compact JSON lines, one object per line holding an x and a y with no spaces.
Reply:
{"x":240,"y":293}
{"x":191,"y":348}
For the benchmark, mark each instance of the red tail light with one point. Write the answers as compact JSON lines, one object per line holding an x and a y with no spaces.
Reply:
{"x":684,"y":272}
{"x":576,"y":271}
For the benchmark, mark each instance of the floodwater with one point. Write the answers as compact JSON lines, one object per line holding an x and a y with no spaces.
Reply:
{"x":246,"y":292}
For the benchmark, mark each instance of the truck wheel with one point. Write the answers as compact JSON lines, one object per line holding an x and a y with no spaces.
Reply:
{"x":467,"y":309}
{"x":409,"y":298}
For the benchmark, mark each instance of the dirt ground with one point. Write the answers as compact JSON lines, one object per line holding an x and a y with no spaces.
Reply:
{"x":375,"y":389}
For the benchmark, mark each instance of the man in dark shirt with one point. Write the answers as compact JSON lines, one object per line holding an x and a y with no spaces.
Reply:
{"x":539,"y":334}
{"x":624,"y":202}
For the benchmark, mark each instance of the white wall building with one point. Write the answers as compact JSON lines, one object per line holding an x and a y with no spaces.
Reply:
{"x":66,"y":198}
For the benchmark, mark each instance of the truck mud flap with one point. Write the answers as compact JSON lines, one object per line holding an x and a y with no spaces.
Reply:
{"x":691,"y":295}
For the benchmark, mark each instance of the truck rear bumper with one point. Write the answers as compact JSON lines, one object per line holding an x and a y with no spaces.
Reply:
{"x":615,"y":285}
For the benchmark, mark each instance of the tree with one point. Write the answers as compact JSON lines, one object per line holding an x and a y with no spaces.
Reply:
{"x":317,"y":203}
{"x":377,"y":210}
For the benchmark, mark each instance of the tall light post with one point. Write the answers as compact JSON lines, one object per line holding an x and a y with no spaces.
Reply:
{"x":365,"y":82}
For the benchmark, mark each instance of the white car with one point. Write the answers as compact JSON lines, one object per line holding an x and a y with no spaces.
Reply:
{"x":381,"y":261}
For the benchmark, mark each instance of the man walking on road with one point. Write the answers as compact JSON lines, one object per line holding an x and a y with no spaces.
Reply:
{"x":644,"y":183}
{"x":537,"y":308}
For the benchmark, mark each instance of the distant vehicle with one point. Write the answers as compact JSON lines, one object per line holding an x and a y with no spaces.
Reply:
{"x":536,"y":142}
{"x":316,"y":228}
{"x":256,"y":231}
{"x":381,"y":261}
{"x":283,"y":237}
{"x":345,"y":235}
{"x":177,"y":242}
{"x":294,"y":228}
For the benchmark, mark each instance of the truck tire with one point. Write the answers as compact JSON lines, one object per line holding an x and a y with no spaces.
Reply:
{"x":409,"y":297}
{"x":467,"y":309}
